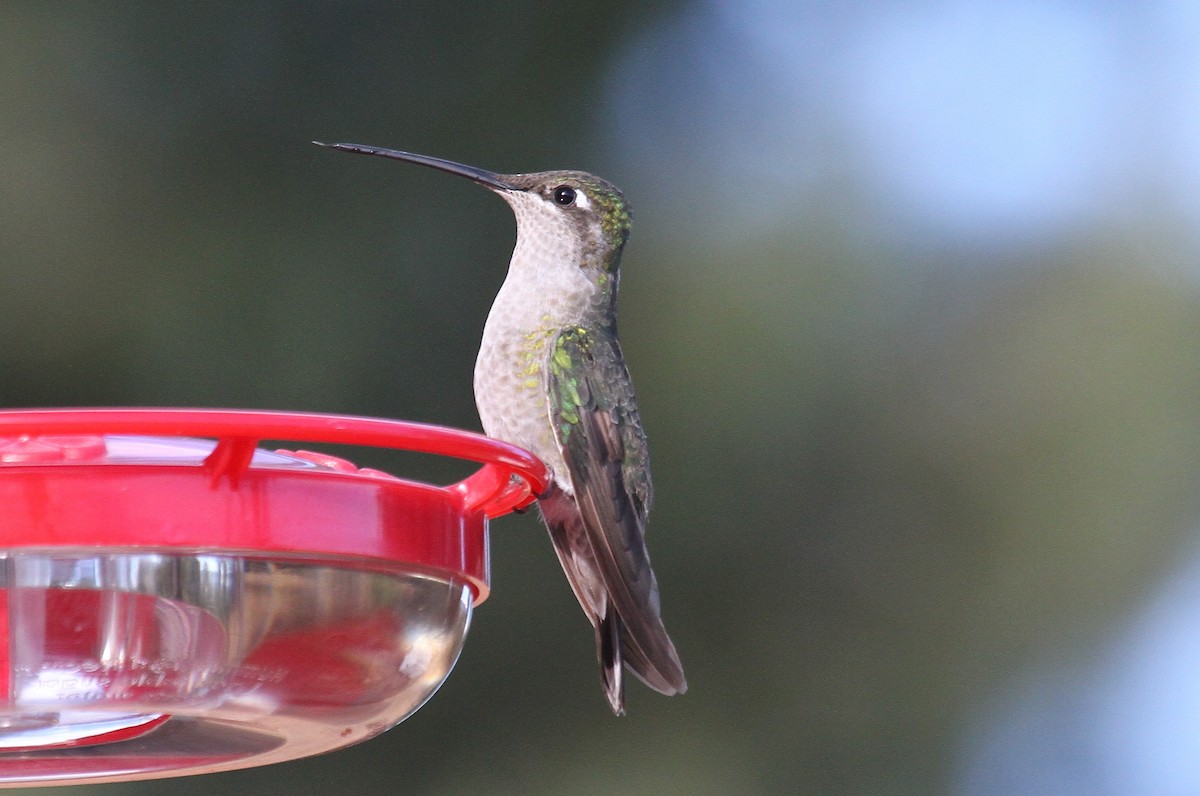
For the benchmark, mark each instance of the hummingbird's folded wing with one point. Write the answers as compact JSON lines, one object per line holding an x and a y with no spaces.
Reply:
{"x":596,"y":423}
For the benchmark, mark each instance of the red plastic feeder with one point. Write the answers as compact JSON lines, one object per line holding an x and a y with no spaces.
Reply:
{"x":175,"y":599}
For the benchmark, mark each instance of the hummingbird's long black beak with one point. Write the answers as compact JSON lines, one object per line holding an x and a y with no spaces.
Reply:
{"x":481,"y":176}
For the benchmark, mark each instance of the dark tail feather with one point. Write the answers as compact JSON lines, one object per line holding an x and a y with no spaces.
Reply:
{"x":608,"y":649}
{"x":664,"y":675}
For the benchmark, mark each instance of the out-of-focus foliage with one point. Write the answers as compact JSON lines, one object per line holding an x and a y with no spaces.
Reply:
{"x":901,"y":469}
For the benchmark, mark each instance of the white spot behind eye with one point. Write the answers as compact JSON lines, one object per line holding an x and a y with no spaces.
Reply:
{"x":581,"y":200}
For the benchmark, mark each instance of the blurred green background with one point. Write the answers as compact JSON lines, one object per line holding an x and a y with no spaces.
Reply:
{"x":911,"y":303}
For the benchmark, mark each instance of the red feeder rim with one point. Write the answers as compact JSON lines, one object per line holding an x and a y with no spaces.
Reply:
{"x":234,"y":500}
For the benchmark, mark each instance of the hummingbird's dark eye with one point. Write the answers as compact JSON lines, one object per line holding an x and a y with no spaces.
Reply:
{"x":564,"y":195}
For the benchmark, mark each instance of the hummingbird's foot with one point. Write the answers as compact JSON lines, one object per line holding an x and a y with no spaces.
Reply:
{"x":550,"y":489}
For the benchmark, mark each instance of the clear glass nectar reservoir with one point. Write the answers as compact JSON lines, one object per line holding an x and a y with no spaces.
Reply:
{"x":172,"y":605}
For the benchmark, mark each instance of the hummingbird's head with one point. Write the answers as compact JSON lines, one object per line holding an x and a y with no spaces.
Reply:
{"x":582,"y":210}
{"x":579,"y":211}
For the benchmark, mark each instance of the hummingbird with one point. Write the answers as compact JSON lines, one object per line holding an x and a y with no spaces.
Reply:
{"x":550,"y":377}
